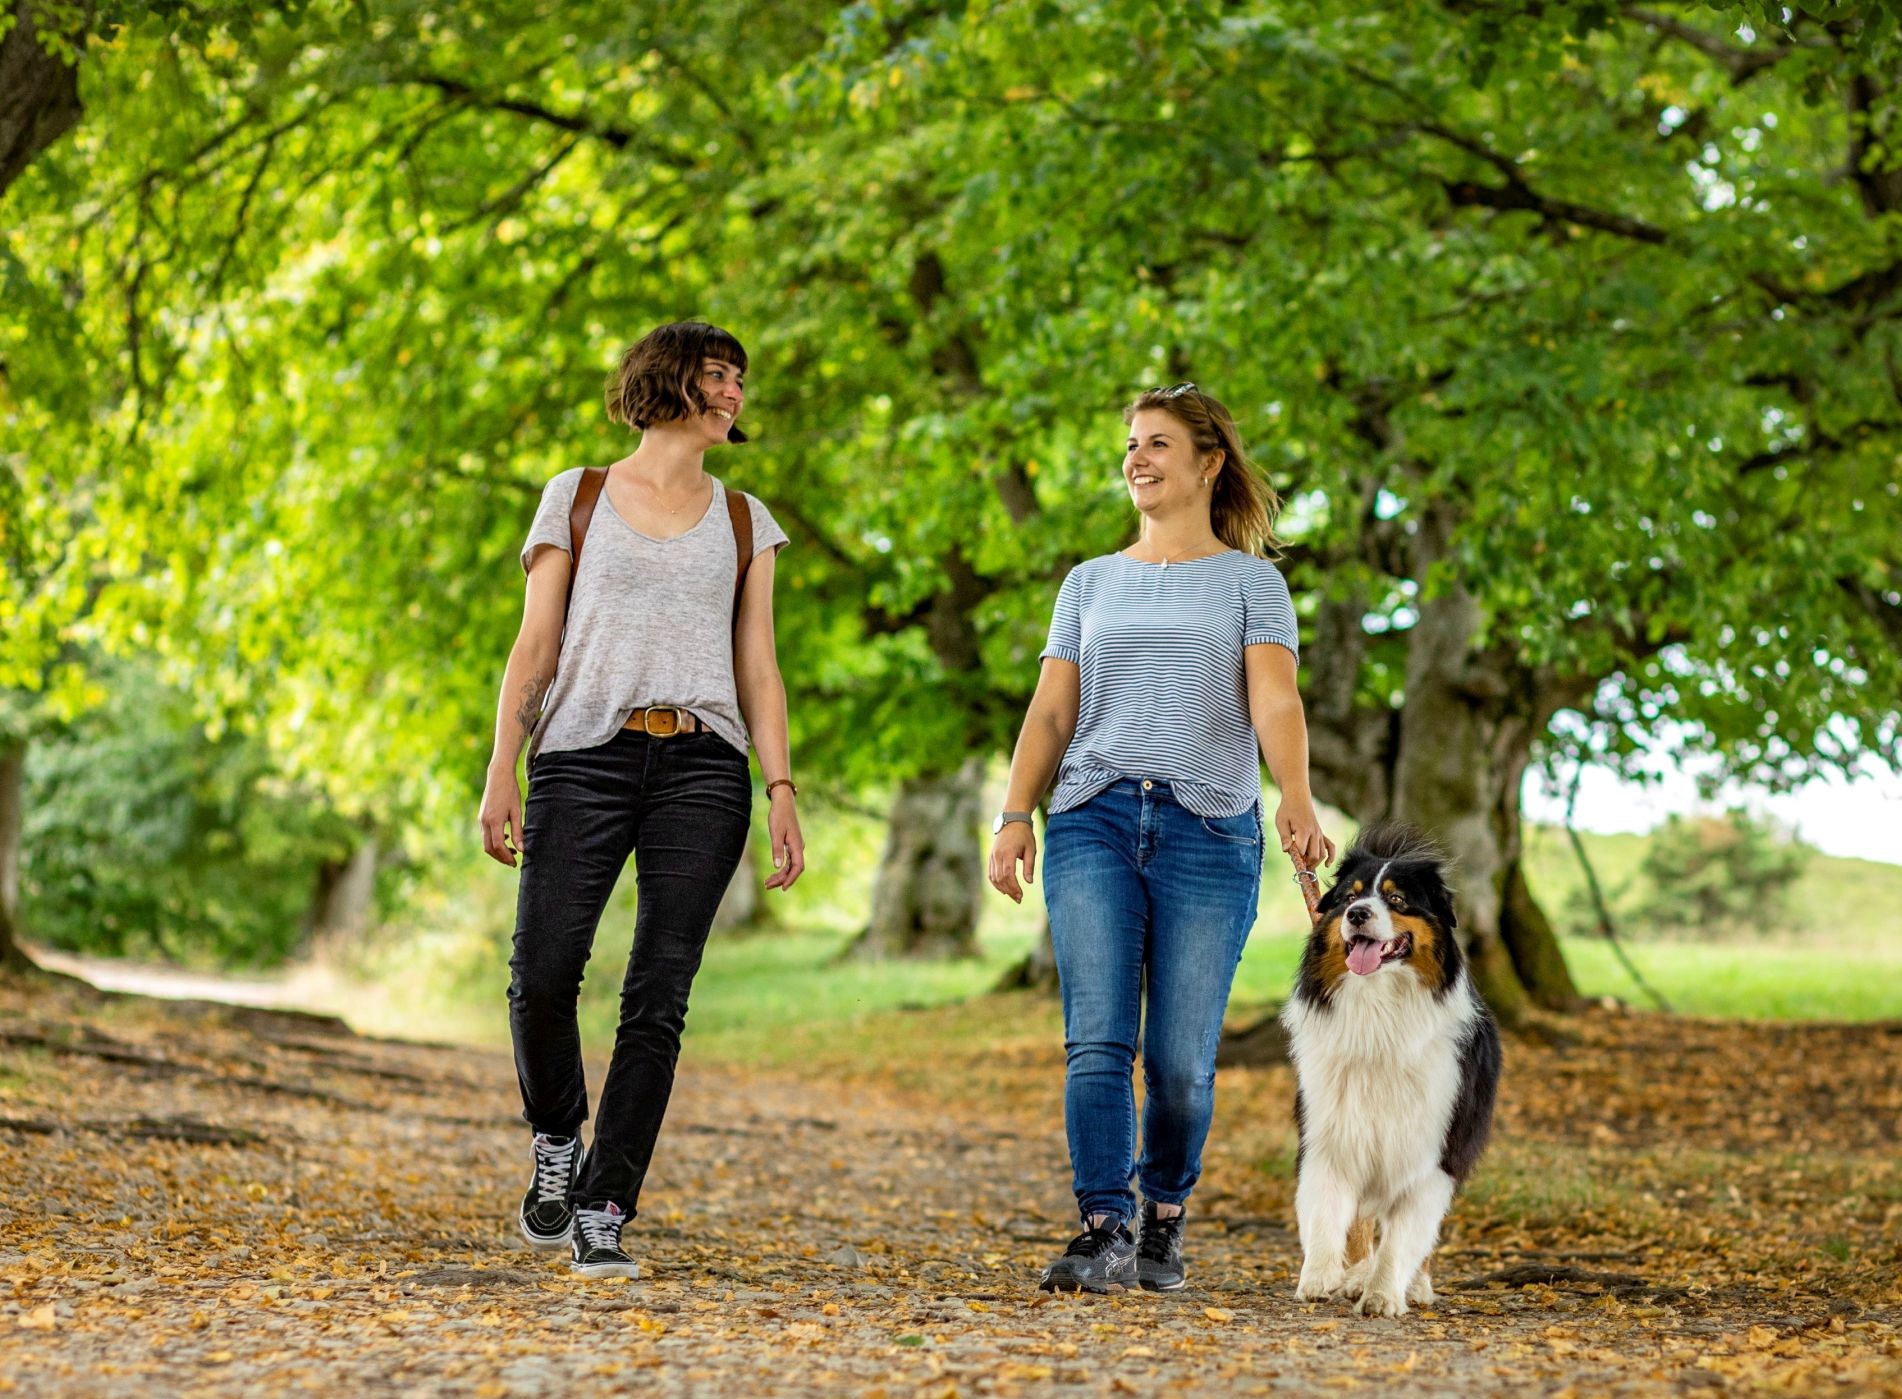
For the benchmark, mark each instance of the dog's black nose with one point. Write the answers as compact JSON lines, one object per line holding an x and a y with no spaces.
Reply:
{"x":1359,"y":914}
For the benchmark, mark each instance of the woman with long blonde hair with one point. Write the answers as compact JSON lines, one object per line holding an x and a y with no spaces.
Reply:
{"x":1168,"y":677}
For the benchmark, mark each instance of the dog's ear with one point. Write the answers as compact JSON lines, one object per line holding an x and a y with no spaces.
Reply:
{"x":1439,"y":902}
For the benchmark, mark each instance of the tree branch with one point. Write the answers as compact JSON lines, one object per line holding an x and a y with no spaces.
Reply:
{"x":619,"y":137}
{"x":1516,"y":195}
{"x":1741,"y":63}
{"x":515,"y":193}
{"x":1885,"y":614}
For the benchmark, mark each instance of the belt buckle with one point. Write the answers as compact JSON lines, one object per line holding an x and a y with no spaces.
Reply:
{"x":647,"y":720}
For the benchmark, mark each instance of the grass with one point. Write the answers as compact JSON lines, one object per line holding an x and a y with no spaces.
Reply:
{"x":1812,"y":913}
{"x":1750,"y":981}
{"x":783,"y":996}
{"x":1537,"y":1183}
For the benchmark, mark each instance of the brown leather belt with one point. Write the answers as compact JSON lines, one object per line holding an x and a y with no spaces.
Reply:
{"x":663,"y":721}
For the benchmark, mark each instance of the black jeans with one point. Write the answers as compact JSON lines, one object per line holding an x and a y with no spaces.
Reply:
{"x":681,"y":806}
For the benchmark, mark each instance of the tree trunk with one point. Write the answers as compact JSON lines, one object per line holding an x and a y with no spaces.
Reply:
{"x":1534,"y":947}
{"x":1449,"y":779}
{"x":1037,"y":969}
{"x":340,"y":909}
{"x":1254,"y":1046}
{"x":926,"y":894}
{"x":1465,"y":737}
{"x":39,"y":95}
{"x":743,"y":907}
{"x":12,"y":802}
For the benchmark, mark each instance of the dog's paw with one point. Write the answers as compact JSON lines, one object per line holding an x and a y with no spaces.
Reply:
{"x":1317,"y":1284}
{"x":1377,"y":1300}
{"x":1354,"y":1281}
{"x":1420,"y":1291}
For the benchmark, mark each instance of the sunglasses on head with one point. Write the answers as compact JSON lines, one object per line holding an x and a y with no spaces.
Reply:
{"x":1174,"y":390}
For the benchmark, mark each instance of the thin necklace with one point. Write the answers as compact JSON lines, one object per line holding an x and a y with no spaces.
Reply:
{"x":1165,"y":558}
{"x":655,"y":492}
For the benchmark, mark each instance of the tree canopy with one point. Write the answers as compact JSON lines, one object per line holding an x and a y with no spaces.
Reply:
{"x":1569,"y":335}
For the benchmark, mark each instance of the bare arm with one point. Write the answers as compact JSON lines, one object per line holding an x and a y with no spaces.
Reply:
{"x":1281,"y":728}
{"x":1049,"y":725}
{"x":525,"y":681}
{"x":762,"y":695}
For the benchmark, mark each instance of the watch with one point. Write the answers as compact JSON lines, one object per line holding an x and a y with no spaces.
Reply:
{"x":1004,"y":818}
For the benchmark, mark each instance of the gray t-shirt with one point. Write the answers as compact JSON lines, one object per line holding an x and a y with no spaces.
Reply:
{"x":650,"y":621}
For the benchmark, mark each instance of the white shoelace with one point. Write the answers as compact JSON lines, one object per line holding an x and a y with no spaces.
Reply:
{"x":553,"y":1165}
{"x":599,"y":1228}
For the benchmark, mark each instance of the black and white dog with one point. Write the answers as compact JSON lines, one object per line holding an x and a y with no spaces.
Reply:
{"x":1397,"y":1062}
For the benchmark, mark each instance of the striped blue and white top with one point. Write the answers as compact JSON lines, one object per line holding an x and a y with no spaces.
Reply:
{"x":1164,"y":693}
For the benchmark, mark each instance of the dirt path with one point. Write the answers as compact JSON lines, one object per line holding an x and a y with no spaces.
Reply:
{"x":214,"y":1201}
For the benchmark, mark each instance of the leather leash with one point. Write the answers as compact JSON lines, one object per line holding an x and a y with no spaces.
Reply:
{"x":1310,"y":887}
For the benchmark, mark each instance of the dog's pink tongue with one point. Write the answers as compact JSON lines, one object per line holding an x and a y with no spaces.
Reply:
{"x":1363,"y":957}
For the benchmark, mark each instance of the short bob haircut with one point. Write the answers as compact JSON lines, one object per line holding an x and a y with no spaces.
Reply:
{"x":658,"y":379}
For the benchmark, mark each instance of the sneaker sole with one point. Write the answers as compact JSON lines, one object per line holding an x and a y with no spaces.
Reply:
{"x":1151,"y":1285}
{"x":545,"y":1241}
{"x":607,"y":1270}
{"x":1070,"y":1282}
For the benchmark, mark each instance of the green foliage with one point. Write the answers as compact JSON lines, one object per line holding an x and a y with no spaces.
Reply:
{"x":145,"y":836}
{"x":1718,"y":876}
{"x":302,"y":323}
{"x":1705,"y":877}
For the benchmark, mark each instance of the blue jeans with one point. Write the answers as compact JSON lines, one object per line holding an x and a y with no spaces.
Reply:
{"x":1137,"y":884}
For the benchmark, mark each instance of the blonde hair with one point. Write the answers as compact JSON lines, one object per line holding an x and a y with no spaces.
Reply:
{"x":1243,"y":508}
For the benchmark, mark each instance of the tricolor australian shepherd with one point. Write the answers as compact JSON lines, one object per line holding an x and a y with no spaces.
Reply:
{"x":1396,"y":1060}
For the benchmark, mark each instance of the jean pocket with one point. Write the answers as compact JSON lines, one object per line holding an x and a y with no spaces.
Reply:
{"x":1243,"y":829}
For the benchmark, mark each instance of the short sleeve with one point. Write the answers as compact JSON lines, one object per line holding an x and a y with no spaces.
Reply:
{"x":766,"y":531}
{"x":1066,"y":624}
{"x":551,"y":517}
{"x":1268,"y":610}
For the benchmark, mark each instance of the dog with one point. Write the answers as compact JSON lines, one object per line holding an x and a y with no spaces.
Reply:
{"x":1396,"y":1064}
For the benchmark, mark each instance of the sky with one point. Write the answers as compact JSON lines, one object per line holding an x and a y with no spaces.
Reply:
{"x":1860,"y":818}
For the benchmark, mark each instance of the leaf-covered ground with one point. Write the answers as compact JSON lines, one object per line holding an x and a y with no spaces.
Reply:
{"x":214,"y":1201}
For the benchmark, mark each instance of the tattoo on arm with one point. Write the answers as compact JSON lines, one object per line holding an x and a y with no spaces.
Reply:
{"x":530,"y":708}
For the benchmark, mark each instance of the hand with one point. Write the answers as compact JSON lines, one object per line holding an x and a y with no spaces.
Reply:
{"x":789,"y":846}
{"x":1301,"y":837}
{"x":1016,"y":842}
{"x":501,"y":816}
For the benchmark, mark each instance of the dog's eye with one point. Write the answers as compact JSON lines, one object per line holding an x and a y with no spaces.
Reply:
{"x":1396,"y":901}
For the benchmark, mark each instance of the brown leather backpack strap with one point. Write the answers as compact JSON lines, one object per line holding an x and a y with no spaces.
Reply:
{"x":742,"y":516}
{"x":587,"y":492}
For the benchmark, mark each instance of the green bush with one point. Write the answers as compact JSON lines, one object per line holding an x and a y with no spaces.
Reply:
{"x":143,"y":835}
{"x":1717,"y":876}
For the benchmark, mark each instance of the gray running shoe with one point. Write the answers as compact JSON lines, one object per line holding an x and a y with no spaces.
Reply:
{"x":1159,"y":1253}
{"x":1102,"y":1259}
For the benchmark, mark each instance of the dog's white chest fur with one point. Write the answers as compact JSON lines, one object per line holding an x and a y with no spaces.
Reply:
{"x":1379,"y":1074}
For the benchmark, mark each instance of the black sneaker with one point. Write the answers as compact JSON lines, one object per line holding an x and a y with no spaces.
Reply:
{"x":597,"y":1243}
{"x":1159,"y":1253}
{"x":547,"y":1215}
{"x":1100,"y":1259}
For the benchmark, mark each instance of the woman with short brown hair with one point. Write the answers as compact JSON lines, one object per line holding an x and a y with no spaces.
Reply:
{"x":644,"y":667}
